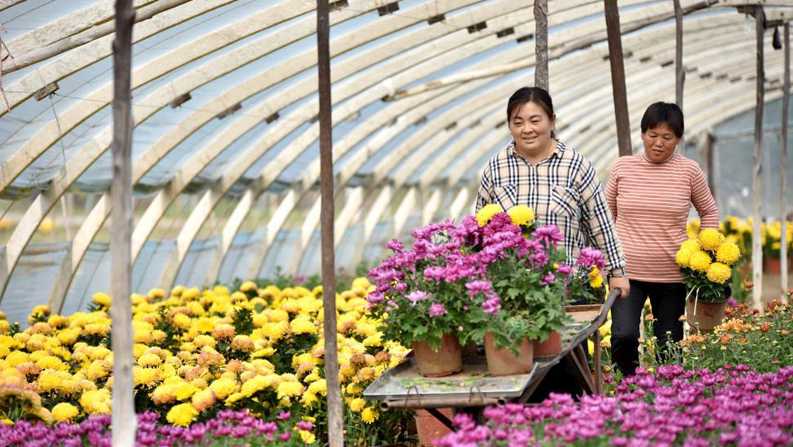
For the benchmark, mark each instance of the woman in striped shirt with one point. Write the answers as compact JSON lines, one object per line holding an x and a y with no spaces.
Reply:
{"x":650,"y":196}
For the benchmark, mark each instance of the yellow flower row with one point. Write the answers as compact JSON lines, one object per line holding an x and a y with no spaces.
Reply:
{"x":195,"y":350}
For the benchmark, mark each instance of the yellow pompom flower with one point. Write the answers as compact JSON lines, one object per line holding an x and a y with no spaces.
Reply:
{"x":288,"y":388}
{"x":521,"y":215}
{"x":223,"y":387}
{"x":728,"y":253}
{"x":369,"y":415}
{"x":595,"y":278}
{"x":182,"y":414}
{"x":691,"y":245}
{"x":487,"y":212}
{"x":64,"y":411}
{"x":182,"y":321}
{"x":710,"y":238}
{"x":357,"y":405}
{"x":699,"y":261}
{"x":307,"y":437}
{"x":303,"y":325}
{"x":682,"y":257}
{"x":96,"y":401}
{"x":101,"y":299}
{"x":719,"y":273}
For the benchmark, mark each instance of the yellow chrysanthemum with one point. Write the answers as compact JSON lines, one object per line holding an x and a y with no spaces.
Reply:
{"x":692,"y":228}
{"x":307,"y":437}
{"x":288,"y":389}
{"x":682,"y":257}
{"x":691,"y":245}
{"x":521,"y":215}
{"x":710,"y":238}
{"x":719,"y":273}
{"x":357,"y":404}
{"x":595,"y":278}
{"x":728,"y":253}
{"x":96,"y":401}
{"x":64,"y":411}
{"x":223,"y":387}
{"x":102,"y":299}
{"x":182,"y":414}
{"x":369,"y":415}
{"x":487,"y":212}
{"x":699,"y":261}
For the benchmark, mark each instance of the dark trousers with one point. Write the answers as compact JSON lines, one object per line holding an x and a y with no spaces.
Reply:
{"x":668,"y":301}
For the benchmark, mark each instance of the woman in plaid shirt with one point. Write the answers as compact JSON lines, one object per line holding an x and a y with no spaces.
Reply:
{"x":560,"y":185}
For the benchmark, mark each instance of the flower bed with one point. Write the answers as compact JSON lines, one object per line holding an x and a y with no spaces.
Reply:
{"x":745,"y":337}
{"x":729,"y":406}
{"x":197,"y":353}
{"x":240,"y":426}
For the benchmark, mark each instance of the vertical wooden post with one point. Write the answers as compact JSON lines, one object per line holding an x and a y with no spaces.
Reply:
{"x":618,"y":77}
{"x":541,"y":44}
{"x":680,"y":73}
{"x":335,"y":409}
{"x":757,"y":167}
{"x":783,"y":169}
{"x":123,"y":411}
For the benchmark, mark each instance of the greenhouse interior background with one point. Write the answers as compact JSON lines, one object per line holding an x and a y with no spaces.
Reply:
{"x":225,"y":145}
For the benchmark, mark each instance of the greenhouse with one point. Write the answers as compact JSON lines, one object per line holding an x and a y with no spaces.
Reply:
{"x":237,"y":173}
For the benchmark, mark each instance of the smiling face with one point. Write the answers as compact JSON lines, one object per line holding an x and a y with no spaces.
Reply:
{"x":659,"y":143}
{"x":531,"y":128}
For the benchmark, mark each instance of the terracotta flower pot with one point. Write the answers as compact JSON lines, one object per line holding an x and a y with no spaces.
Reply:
{"x":772,"y":265}
{"x":706,"y":316}
{"x":447,"y":360}
{"x":502,"y":362}
{"x":428,"y":428}
{"x":551,"y":347}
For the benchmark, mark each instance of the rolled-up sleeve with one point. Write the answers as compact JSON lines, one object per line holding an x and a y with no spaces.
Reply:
{"x":596,"y":219}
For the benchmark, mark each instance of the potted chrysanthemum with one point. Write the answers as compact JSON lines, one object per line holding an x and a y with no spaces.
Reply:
{"x":706,"y":263}
{"x":524,"y":295}
{"x":421,"y":293}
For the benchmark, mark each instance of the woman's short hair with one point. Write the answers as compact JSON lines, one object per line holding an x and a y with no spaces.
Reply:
{"x":664,"y":113}
{"x":525,"y":95}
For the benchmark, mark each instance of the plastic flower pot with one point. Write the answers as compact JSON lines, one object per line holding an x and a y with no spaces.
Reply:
{"x":549,"y":348}
{"x":445,"y":361}
{"x":503,"y":362}
{"x":703,"y":317}
{"x":430,"y":429}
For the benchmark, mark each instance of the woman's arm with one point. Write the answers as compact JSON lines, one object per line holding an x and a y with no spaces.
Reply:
{"x":596,"y":219}
{"x":703,"y":200}
{"x":612,"y":186}
{"x":484,"y":197}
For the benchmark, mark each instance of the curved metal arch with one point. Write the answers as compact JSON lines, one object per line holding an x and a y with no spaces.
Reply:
{"x":171,"y":273}
{"x":49,"y":133}
{"x":71,"y":61}
{"x":87,"y":154}
{"x":265,"y":250}
{"x":159,"y":206}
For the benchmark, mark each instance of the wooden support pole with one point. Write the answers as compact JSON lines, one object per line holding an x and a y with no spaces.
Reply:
{"x":680,"y":73}
{"x":783,"y":160}
{"x":757,"y":166}
{"x":335,"y":409}
{"x":618,"y":77}
{"x":123,"y":411}
{"x":541,"y":44}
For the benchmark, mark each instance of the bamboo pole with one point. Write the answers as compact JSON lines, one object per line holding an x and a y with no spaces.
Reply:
{"x":618,"y":77}
{"x":335,"y":409}
{"x":783,"y":252}
{"x":541,"y":44}
{"x":123,"y":412}
{"x":757,"y":167}
{"x":709,"y":162}
{"x":680,"y":73}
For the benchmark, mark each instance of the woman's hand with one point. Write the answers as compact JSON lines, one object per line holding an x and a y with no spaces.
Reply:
{"x":620,"y":282}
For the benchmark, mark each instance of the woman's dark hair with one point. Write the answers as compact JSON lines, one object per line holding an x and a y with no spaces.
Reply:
{"x":526,"y":95}
{"x":664,"y":113}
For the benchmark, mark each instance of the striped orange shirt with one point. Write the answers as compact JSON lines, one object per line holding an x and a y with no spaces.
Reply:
{"x":650,"y":203}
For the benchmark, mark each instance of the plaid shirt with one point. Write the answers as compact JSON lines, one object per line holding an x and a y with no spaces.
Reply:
{"x":563,"y":191}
